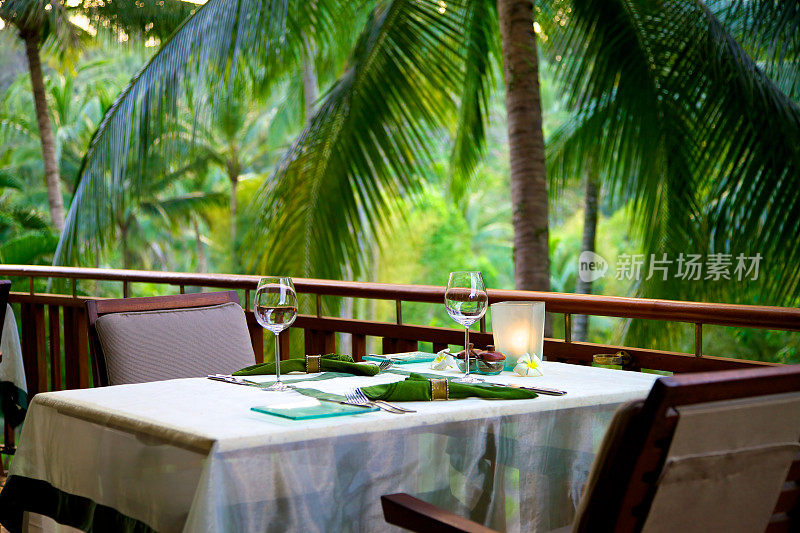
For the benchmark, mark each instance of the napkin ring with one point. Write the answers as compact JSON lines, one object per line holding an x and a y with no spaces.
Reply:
{"x":312,"y":364}
{"x":439,"y":389}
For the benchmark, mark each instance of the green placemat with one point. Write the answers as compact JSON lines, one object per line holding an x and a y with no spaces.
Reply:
{"x":323,"y":410}
{"x":403,"y":359}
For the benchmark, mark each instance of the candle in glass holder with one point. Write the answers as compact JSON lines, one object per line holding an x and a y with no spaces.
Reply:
{"x":518,"y":330}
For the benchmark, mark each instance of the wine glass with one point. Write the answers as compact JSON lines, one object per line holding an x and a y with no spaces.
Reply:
{"x":275,"y":308}
{"x":465,"y":300}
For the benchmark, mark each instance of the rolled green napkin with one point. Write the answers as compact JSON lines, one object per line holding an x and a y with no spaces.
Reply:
{"x":327,"y":363}
{"x":417,"y":388}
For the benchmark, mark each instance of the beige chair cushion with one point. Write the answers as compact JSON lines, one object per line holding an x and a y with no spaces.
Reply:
{"x":731,"y":491}
{"x":726,"y":465}
{"x":175,"y":343}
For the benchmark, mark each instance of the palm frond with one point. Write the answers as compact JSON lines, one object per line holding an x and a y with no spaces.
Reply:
{"x":365,"y":145}
{"x":149,"y":18}
{"x":184,"y":205}
{"x":481,"y":60}
{"x":768,"y":27}
{"x":203,"y":53}
{"x":28,"y":248}
{"x":10,"y":180}
{"x":691,"y":131}
{"x":628,"y":123}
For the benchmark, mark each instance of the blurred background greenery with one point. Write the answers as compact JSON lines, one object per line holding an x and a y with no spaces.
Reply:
{"x":195,"y":213}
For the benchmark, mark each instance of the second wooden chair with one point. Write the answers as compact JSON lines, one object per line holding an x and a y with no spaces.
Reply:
{"x":136,"y":340}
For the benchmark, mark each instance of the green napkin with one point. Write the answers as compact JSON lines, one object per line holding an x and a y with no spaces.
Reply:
{"x":327,"y":363}
{"x":417,"y":388}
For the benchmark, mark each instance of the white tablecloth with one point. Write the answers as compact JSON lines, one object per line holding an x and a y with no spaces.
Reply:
{"x":190,"y":455}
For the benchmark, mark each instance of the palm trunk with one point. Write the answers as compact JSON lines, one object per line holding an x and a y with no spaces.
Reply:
{"x":32,"y":41}
{"x":581,"y":329}
{"x":526,"y":145}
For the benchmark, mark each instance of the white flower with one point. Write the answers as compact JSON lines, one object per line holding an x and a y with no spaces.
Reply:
{"x":528,"y":365}
{"x":444,"y":361}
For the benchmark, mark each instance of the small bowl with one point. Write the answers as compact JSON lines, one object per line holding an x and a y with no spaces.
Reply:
{"x":490,"y":368}
{"x":462,"y":365}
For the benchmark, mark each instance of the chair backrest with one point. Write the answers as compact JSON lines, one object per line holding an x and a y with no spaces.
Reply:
{"x":168,"y":337}
{"x":709,"y":451}
{"x":5,"y":287}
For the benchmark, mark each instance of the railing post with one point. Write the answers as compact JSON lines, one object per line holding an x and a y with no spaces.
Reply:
{"x":74,"y":287}
{"x":398,"y":311}
{"x":698,"y":339}
{"x":183,"y":289}
{"x":283,"y":339}
{"x":125,"y":289}
{"x":483,"y":324}
{"x":567,"y":327}
{"x":319,"y":305}
{"x":76,"y":348}
{"x":359,"y":346}
{"x":53,"y":312}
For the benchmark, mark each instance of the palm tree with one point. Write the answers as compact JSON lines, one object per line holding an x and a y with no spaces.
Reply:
{"x":237,"y":141}
{"x":78,"y":99}
{"x":363,"y":147}
{"x":634,"y":62}
{"x":33,"y":23}
{"x":694,"y":133}
{"x":526,"y":145}
{"x":38,"y":21}
{"x":590,"y":210}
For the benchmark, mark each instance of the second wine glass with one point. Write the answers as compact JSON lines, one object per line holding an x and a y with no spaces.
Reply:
{"x":465,"y":300}
{"x":275,"y":308}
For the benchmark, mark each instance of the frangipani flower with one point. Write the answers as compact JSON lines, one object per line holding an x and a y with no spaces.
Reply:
{"x":444,"y":361}
{"x":528,"y":365}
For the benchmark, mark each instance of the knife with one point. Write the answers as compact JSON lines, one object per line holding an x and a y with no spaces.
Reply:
{"x":345,"y":403}
{"x":234,"y":380}
{"x":539,"y":390}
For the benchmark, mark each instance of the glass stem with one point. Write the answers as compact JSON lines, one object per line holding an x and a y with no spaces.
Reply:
{"x":277,"y":358}
{"x":466,"y":348}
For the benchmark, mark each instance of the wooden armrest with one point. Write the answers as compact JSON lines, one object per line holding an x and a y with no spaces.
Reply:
{"x":416,"y":515}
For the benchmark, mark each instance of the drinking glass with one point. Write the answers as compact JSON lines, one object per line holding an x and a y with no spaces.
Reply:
{"x":465,"y":300}
{"x":275,"y":308}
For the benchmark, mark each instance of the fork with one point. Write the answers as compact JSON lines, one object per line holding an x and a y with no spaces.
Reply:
{"x":384,"y":365}
{"x":361,"y":398}
{"x":357,"y":399}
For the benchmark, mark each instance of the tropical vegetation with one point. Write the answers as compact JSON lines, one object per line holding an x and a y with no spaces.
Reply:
{"x":399,"y":139}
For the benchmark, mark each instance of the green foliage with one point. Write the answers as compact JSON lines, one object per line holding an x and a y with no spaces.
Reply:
{"x":689,"y":130}
{"x":400,"y":173}
{"x":365,"y":146}
{"x":138,"y":132}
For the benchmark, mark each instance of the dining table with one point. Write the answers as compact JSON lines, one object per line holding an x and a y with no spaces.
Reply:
{"x":192,"y":455}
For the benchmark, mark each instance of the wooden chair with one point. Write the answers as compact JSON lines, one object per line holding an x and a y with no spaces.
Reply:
{"x":714,"y":451}
{"x":167,"y":337}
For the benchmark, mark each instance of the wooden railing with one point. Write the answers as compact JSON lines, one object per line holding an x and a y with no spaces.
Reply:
{"x":56,"y":349}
